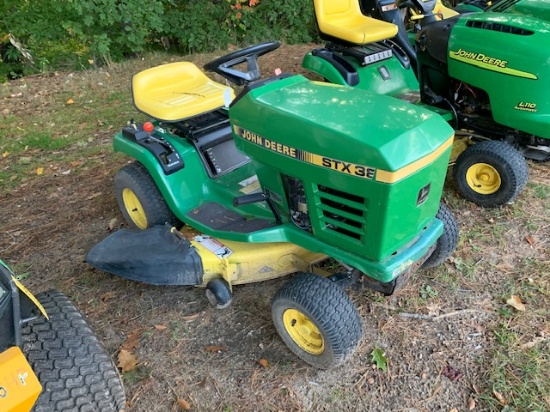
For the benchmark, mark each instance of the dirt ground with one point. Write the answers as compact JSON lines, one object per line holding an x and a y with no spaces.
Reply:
{"x":436,"y":332}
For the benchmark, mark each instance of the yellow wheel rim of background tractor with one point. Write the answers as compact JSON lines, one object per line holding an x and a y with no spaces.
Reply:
{"x":303,"y":332}
{"x":134,"y":208}
{"x":483,"y":178}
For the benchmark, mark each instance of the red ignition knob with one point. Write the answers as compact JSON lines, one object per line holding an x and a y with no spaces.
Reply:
{"x":148,"y":127}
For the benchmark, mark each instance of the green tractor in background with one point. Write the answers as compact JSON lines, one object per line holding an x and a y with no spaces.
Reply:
{"x":50,"y":358}
{"x":271,"y":182}
{"x":486,"y":73}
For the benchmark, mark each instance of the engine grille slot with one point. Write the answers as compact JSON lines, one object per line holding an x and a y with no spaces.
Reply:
{"x":341,"y":212}
{"x":503,"y":28}
{"x":502,"y":6}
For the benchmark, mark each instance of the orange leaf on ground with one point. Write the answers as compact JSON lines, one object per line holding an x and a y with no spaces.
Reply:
{"x":516,"y":303}
{"x":160,"y":327}
{"x":264,"y":362}
{"x":70,"y":101}
{"x":39,"y":171}
{"x":127,"y":361}
{"x":132,"y":341}
{"x":530,"y":240}
{"x":500,"y":398}
{"x":214,"y":348}
{"x":184,"y":404}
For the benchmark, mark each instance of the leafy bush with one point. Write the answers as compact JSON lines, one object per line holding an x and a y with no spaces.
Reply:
{"x":71,"y":34}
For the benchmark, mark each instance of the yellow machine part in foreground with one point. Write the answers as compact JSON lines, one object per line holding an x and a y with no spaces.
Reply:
{"x":19,"y":386}
{"x":239,"y":262}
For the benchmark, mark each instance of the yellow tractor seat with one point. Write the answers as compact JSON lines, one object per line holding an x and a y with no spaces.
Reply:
{"x":176,"y":91}
{"x":342,"y":19}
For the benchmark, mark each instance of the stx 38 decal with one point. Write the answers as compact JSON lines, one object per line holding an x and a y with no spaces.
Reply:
{"x":488,"y":63}
{"x":353,"y":169}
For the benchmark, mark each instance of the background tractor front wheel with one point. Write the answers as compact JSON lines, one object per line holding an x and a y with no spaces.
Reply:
{"x":75,"y":370}
{"x":447,"y":242}
{"x":490,"y":173}
{"x":316,"y":320}
{"x":139,"y":199}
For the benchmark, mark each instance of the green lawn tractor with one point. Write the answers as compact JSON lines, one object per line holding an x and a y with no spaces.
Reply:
{"x":272,"y":181}
{"x":486,"y":73}
{"x":50,"y":358}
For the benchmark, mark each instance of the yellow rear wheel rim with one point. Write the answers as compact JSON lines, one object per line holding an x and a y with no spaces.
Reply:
{"x":483,"y":178}
{"x":303,"y":332}
{"x":134,"y":208}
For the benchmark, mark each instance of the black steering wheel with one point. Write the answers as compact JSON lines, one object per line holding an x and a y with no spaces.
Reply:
{"x":224,"y":65}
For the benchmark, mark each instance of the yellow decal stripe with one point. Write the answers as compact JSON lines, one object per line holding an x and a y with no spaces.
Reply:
{"x":357,"y":170}
{"x":30,"y":296}
{"x":392,"y":177}
{"x":486,"y":66}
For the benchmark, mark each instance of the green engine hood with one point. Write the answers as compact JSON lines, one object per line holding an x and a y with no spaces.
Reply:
{"x":341,"y":122}
{"x":539,"y":9}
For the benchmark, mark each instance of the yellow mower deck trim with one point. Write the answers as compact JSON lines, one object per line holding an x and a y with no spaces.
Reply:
{"x":19,"y":386}
{"x":254,"y":262}
{"x":176,"y":91}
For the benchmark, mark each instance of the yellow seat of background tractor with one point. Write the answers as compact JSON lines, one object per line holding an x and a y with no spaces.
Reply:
{"x":343,"y":20}
{"x":176,"y":91}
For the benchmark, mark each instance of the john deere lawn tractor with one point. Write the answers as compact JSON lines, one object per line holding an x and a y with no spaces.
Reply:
{"x":269,"y":182}
{"x":486,"y":73}
{"x":50,"y":358}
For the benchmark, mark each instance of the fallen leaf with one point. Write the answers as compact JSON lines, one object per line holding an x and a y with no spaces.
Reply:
{"x":471,"y":404}
{"x":454,"y":410}
{"x":94,"y":195}
{"x":264,"y":362}
{"x":39,"y":171}
{"x":379,"y":358}
{"x":452,"y":373}
{"x":70,"y":101}
{"x":530,"y":240}
{"x":132,"y":341}
{"x":184,"y":404}
{"x":533,"y":343}
{"x":214,"y":348}
{"x":112,"y":224}
{"x":126,"y":360}
{"x":5,"y":154}
{"x":190,"y":317}
{"x":516,"y":303}
{"x":500,"y":398}
{"x":160,"y":327}
{"x":106,"y":296}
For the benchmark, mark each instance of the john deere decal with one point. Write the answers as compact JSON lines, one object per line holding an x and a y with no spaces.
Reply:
{"x":488,"y":63}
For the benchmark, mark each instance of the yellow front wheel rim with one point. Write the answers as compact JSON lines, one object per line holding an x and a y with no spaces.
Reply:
{"x":303,"y":332}
{"x":134,"y":208}
{"x":483,"y":178}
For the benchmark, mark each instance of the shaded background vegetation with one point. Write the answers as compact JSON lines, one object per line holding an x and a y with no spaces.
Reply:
{"x":45,"y":35}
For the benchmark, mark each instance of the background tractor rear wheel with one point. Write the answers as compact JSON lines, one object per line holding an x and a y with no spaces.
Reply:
{"x":447,"y":242}
{"x":490,"y":173}
{"x":140,"y":200}
{"x":316,"y":320}
{"x":75,"y":370}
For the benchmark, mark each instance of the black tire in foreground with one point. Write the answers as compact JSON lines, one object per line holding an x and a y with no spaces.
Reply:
{"x":316,"y":320}
{"x":490,"y":173}
{"x":75,"y":370}
{"x":447,"y":242}
{"x":140,"y":200}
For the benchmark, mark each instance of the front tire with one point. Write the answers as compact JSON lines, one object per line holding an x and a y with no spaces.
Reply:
{"x":316,"y":320}
{"x":75,"y":370}
{"x":490,"y":173}
{"x":447,"y":242}
{"x":140,"y":200}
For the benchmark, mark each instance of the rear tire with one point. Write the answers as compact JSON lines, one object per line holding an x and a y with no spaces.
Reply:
{"x":140,"y":200}
{"x":75,"y":370}
{"x":316,"y":320}
{"x":447,"y":242}
{"x":490,"y":173}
